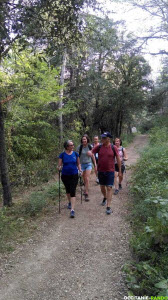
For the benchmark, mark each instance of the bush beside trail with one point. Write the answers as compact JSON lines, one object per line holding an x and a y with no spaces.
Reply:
{"x":147,"y":275}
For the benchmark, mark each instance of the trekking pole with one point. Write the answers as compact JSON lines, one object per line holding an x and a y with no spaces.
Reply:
{"x":59,"y":191}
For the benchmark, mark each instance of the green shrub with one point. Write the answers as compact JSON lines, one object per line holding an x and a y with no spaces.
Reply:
{"x":127,"y":139}
{"x":35,"y":204}
{"x":158,"y":135}
{"x":10,"y":227}
{"x":149,"y":218}
{"x":53,"y":191}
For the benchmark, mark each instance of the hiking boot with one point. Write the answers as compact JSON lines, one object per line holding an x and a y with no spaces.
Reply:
{"x":72,"y":214}
{"x":86,"y":198}
{"x":69,"y":205}
{"x":120,"y":186}
{"x":116,"y":192}
{"x":108,"y":211}
{"x":103,"y":202}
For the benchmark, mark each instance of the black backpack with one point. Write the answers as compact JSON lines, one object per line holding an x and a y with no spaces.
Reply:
{"x":80,"y":149}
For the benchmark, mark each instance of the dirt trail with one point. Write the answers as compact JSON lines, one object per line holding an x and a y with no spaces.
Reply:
{"x":79,"y":258}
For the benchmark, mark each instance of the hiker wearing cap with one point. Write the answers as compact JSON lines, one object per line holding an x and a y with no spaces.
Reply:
{"x":123,"y":157}
{"x":86,"y":160}
{"x":106,"y":168}
{"x":70,"y":164}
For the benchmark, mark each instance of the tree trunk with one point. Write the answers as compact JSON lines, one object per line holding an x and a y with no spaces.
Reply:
{"x":117,"y":124}
{"x":7,"y":197}
{"x":62,"y":77}
{"x":121,"y":123}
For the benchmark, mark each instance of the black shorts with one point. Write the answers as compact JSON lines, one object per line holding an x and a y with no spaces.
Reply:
{"x":122,"y":168}
{"x":70,"y":182}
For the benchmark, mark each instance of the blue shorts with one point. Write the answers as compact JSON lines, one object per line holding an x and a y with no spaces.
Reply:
{"x":87,"y":166}
{"x":106,"y":178}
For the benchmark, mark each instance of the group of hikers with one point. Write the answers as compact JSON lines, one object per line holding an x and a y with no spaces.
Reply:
{"x":107,"y":159}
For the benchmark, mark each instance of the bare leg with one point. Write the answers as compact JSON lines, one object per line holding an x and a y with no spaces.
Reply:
{"x":109,"y":195}
{"x":68,"y":197}
{"x":103,"y":190}
{"x":116,"y":181}
{"x":86,"y":175}
{"x":120,"y":179}
{"x":73,"y":200}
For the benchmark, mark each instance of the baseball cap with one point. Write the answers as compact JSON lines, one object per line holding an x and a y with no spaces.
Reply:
{"x":106,"y":134}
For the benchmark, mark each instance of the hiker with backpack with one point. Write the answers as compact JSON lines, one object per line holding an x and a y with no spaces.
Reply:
{"x":106,"y":167}
{"x":86,"y":160}
{"x":123,"y":157}
{"x":70,"y":164}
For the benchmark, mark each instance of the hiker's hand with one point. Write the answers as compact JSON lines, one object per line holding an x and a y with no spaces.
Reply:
{"x":89,"y":153}
{"x":80,"y":173}
{"x":59,"y":168}
{"x":95,"y":169}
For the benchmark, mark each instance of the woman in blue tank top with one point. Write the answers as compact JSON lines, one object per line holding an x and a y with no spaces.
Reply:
{"x":70,"y":164}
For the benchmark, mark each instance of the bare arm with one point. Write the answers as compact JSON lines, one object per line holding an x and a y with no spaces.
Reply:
{"x":94,"y":160}
{"x":79,"y":165}
{"x":125,"y":154}
{"x":59,"y":164}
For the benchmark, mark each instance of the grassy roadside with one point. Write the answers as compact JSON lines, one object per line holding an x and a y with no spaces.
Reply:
{"x":147,"y":275}
{"x":18,"y":222}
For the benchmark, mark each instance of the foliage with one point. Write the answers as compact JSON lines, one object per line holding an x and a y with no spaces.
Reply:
{"x":110,"y":79}
{"x":53,"y":190}
{"x":39,"y":22}
{"x":105,"y":88}
{"x":152,"y":122}
{"x":35,"y":204}
{"x":149,"y":217}
{"x":127,"y":139}
{"x":31,"y":137}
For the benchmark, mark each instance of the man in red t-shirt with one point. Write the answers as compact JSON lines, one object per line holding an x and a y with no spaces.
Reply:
{"x":106,"y":168}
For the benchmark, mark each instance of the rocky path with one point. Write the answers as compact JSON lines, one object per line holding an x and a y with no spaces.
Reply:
{"x":75,"y":259}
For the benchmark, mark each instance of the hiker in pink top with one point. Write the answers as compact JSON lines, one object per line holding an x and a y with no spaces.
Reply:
{"x":123,"y":158}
